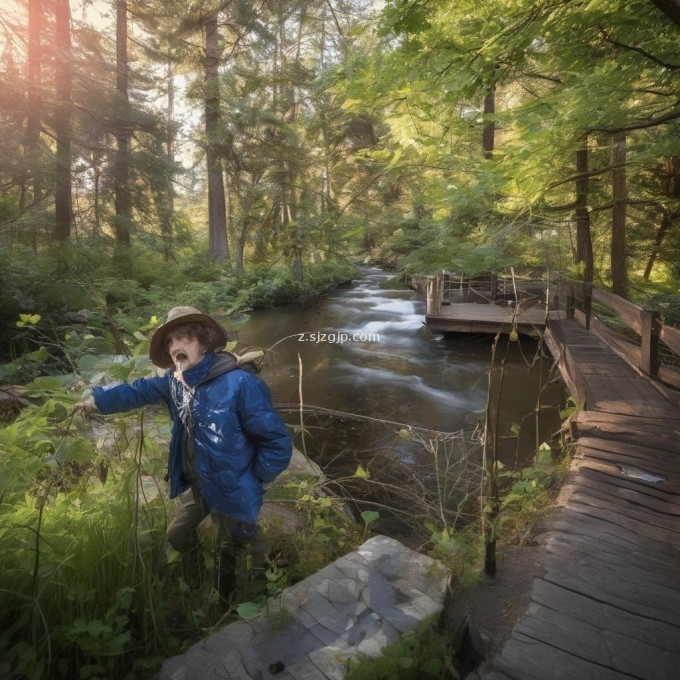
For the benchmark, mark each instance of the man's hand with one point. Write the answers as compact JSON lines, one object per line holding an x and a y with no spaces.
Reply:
{"x":87,"y":407}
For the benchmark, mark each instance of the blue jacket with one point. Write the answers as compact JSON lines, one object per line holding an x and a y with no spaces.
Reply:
{"x":239,"y":440}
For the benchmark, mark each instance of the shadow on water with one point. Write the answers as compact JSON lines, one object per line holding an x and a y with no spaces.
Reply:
{"x":363,"y":350}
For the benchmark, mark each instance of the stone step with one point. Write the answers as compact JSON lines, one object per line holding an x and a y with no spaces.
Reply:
{"x":360,"y":603}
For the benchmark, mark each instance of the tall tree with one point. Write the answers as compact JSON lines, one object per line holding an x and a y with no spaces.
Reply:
{"x":584,"y":243}
{"x":121,"y":173}
{"x":489,"y":133}
{"x":669,"y":172}
{"x":619,"y":196}
{"x":62,"y":121}
{"x":217,"y":209}
{"x":34,"y":77}
{"x":169,"y":207}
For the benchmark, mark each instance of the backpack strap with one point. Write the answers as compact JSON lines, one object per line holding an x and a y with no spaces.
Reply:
{"x":251,"y":361}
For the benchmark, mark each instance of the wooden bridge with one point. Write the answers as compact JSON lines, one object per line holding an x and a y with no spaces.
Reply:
{"x":484,"y":304}
{"x":605,"y":601}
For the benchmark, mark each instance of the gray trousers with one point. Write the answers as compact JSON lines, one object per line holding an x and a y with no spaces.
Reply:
{"x":239,"y":561}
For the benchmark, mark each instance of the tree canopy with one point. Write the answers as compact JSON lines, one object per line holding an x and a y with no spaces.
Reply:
{"x":421,"y":134}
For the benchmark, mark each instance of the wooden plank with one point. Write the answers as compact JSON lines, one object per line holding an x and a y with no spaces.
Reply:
{"x":633,"y":496}
{"x":472,"y":311}
{"x":612,"y":555}
{"x":671,"y":337}
{"x":610,"y":425}
{"x":653,"y":546}
{"x":609,"y":649}
{"x":629,"y":312}
{"x":590,"y":555}
{"x":524,"y":658}
{"x":604,"y":475}
{"x":647,"y":516}
{"x":618,"y":537}
{"x":555,"y":344}
{"x":644,"y":599}
{"x":647,"y":464}
{"x":666,"y":487}
{"x":602,"y":615}
{"x":624,"y":396}
{"x":662,"y":457}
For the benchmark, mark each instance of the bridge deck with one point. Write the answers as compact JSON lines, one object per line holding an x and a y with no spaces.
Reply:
{"x":471,"y":317}
{"x":606,"y":604}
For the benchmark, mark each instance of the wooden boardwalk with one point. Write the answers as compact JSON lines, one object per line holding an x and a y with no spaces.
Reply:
{"x":470,"y":317}
{"x":606,"y":603}
{"x":483,"y":305}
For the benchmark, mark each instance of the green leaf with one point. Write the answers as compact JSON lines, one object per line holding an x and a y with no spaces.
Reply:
{"x":369,"y":516}
{"x":44,"y":385}
{"x":28,"y":320}
{"x":38,"y":355}
{"x":544,"y":455}
{"x":248,"y":610}
{"x":76,"y":451}
{"x":361,"y":473}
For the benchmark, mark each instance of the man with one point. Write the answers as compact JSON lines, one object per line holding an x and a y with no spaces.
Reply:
{"x":227,"y":441}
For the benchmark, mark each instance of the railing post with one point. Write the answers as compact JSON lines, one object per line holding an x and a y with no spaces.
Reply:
{"x":429,"y":304}
{"x":649,"y":355}
{"x":588,"y":302}
{"x":439,"y":293}
{"x":570,"y":301}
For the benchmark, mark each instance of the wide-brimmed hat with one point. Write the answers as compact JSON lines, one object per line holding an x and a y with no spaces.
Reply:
{"x":180,"y":316}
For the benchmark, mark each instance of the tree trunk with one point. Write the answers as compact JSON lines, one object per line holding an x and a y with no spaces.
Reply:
{"x":671,"y":173}
{"x":658,"y":240}
{"x":169,"y":208}
{"x":217,"y":212}
{"x":62,"y":122}
{"x":96,"y":170}
{"x":619,"y":195}
{"x":121,"y":174}
{"x":34,"y":73}
{"x":584,"y":246}
{"x":489,"y":133}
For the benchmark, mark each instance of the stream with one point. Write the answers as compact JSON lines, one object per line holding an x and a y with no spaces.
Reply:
{"x":364,"y":350}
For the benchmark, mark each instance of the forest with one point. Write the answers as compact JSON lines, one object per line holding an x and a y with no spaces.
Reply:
{"x":209,"y":139}
{"x":236,"y":154}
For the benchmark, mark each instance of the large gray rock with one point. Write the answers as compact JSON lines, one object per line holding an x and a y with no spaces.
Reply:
{"x":359,"y":604}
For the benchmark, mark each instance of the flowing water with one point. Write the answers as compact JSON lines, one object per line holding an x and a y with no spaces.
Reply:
{"x":378,"y":360}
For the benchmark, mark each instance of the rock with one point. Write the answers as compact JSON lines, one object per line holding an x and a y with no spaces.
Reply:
{"x":358,"y":604}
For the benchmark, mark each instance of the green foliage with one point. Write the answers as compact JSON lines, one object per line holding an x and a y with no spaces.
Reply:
{"x":327,"y":530}
{"x":530,"y":491}
{"x":424,"y":652}
{"x":459,"y":551}
{"x":85,"y":587}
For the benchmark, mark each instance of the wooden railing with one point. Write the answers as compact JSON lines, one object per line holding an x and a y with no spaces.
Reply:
{"x":442,"y":287}
{"x":643,"y":353}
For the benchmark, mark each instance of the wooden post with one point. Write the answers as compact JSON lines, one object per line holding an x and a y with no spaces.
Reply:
{"x":649,"y":356}
{"x":429,"y":306}
{"x":494,"y":285}
{"x":570,"y":300}
{"x":588,"y":302}
{"x":438,"y":293}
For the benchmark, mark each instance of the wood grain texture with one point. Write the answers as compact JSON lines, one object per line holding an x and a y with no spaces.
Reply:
{"x":606,"y":603}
